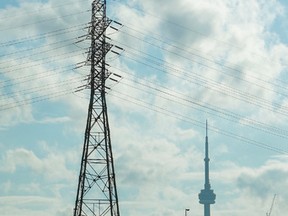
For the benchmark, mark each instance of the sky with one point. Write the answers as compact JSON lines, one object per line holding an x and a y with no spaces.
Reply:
{"x":183,"y":62}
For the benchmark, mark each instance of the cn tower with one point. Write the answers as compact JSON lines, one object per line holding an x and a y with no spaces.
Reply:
{"x":207,"y":196}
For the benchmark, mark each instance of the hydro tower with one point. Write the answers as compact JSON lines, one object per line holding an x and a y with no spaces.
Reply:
{"x":207,"y":196}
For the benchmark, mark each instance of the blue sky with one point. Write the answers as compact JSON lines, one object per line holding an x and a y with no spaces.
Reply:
{"x":183,"y":63}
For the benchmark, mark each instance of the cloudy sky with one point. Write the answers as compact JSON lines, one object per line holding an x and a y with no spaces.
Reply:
{"x":182,"y":62}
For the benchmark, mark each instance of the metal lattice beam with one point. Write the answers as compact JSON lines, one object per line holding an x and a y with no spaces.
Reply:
{"x":97,"y":193}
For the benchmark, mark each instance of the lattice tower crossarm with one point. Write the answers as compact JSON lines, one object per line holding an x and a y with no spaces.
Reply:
{"x":97,"y":192}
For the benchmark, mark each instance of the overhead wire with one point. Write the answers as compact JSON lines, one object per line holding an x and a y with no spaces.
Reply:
{"x":42,"y":61}
{"x":38,"y":89}
{"x":36,"y":38}
{"x":40,"y":36}
{"x":184,"y":118}
{"x":223,"y":66}
{"x":226,"y":90}
{"x":227,"y":65}
{"x":18,"y":83}
{"x":197,"y":105}
{"x":186,"y":28}
{"x":177,"y":114}
{"x":42,"y":21}
{"x":20,"y":80}
{"x":37,"y":99}
{"x":195,"y":122}
{"x":62,"y":45}
{"x":248,"y":100}
{"x":40,"y":9}
{"x":45,"y":96}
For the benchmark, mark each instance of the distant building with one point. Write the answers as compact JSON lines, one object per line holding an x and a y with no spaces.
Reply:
{"x":207,"y":196}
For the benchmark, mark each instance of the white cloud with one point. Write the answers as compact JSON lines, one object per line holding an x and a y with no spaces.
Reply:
{"x":232,"y":33}
{"x":31,"y":205}
{"x":53,"y":166}
{"x":159,"y":159}
{"x":55,"y":120}
{"x":261,"y":182}
{"x":35,"y":66}
{"x":6,"y":186}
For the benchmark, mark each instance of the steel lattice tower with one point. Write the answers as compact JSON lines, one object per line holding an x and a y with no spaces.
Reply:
{"x":97,"y":193}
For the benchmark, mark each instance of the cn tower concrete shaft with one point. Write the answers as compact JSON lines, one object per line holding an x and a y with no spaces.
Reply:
{"x":207,"y":196}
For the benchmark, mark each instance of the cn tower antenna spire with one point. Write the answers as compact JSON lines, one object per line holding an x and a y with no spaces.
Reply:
{"x":206,"y":128}
{"x":207,"y":196}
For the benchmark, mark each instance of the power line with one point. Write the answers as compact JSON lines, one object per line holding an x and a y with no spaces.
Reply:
{"x":242,"y":96}
{"x":40,"y":52}
{"x":182,"y":56}
{"x":41,"y":36}
{"x":152,"y":107}
{"x":177,"y":97}
{"x":173,"y":114}
{"x":37,"y":89}
{"x":248,"y":96}
{"x":43,"y":21}
{"x":39,"y":98}
{"x":230,"y":114}
{"x":198,"y":77}
{"x":32,"y":77}
{"x":52,"y":59}
{"x":188,"y":119}
{"x":223,"y":66}
{"x":186,"y":28}
{"x":210,"y":83}
{"x":39,"y":10}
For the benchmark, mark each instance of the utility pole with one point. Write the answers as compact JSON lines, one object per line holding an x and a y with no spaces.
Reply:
{"x":97,"y":193}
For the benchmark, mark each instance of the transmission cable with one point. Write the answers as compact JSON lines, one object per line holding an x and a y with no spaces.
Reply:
{"x":41,"y":36}
{"x":40,"y":52}
{"x":245,"y":97}
{"x":187,"y":29}
{"x":177,"y":95}
{"x":39,"y":10}
{"x":209,"y":60}
{"x":52,"y":59}
{"x":182,"y":117}
{"x":43,"y":21}
{"x":41,"y":97}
